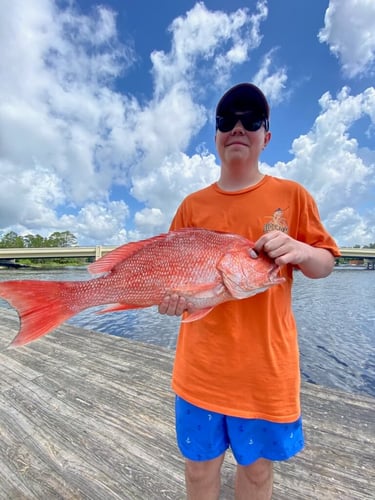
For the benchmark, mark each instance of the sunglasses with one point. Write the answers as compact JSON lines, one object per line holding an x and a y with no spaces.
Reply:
{"x":249,"y":122}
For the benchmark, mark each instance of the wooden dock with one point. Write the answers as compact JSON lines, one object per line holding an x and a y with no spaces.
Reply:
{"x":89,"y":416}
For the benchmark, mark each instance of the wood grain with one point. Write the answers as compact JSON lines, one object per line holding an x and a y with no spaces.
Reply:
{"x":85,"y":415}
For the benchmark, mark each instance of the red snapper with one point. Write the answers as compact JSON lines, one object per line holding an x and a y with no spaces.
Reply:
{"x":206,"y":267}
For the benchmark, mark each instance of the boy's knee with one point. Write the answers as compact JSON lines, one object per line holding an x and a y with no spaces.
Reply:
{"x":258,"y":473}
{"x":203,"y":472}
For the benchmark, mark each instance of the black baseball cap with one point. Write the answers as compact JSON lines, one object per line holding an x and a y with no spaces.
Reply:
{"x":244,"y":97}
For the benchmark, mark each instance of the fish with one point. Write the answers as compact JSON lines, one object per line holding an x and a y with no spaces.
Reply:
{"x":205,"y":267}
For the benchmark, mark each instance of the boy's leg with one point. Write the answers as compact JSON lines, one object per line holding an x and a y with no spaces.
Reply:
{"x":203,"y":479}
{"x":254,"y":481}
{"x":255,"y":444}
{"x":202,"y":440}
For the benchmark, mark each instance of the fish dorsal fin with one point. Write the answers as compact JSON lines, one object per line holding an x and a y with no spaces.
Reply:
{"x":108,"y":262}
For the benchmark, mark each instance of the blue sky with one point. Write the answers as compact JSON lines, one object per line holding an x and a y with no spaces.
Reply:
{"x":107,"y":109}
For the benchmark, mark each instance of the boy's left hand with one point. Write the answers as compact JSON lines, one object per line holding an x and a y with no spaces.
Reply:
{"x":282,"y":248}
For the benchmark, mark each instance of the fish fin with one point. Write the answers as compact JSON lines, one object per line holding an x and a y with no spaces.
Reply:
{"x":201,"y":290}
{"x":109,"y":261}
{"x":40,"y":305}
{"x":106,"y":263}
{"x":255,"y":291}
{"x":118,"y":307}
{"x":201,"y":313}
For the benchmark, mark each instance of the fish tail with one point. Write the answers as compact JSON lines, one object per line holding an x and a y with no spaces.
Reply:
{"x":41,"y":306}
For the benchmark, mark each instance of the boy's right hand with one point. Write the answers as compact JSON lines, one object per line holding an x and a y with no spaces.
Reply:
{"x":173,"y":305}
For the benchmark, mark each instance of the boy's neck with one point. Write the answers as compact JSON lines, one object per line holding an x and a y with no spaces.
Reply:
{"x":235,"y":181}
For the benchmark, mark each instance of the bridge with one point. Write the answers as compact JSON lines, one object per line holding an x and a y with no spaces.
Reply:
{"x":358,"y":253}
{"x":98,"y":251}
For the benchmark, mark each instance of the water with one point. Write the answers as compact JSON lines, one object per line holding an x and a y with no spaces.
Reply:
{"x":335,"y":317}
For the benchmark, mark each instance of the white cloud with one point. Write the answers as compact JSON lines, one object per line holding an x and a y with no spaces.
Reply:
{"x":56,"y":114}
{"x":349,"y":32}
{"x":99,"y":222}
{"x":70,"y":138}
{"x":331,"y":164}
{"x":79,"y":137}
{"x":208,"y":43}
{"x":177,"y":176}
{"x":30,"y":197}
{"x":271,"y":81}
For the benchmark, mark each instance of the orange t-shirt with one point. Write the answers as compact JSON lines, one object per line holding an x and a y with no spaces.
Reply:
{"x":242,"y":359}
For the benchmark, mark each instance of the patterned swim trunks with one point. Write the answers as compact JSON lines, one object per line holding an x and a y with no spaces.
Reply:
{"x":205,"y":435}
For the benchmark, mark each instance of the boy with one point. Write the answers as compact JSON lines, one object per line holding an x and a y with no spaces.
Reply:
{"x":236,"y":374}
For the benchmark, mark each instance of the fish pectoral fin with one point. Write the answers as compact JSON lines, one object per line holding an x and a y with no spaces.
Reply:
{"x":202,"y":291}
{"x":117,"y":307}
{"x":201,"y":313}
{"x":255,"y":291}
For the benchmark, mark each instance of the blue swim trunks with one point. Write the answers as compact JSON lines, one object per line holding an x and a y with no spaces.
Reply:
{"x":205,"y":435}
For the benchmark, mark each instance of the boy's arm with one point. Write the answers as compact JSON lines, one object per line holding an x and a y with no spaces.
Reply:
{"x":314,"y":262}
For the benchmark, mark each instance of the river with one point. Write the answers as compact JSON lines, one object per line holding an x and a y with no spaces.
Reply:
{"x":335,"y":317}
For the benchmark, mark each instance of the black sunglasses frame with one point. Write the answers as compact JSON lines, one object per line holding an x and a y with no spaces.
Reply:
{"x":250,"y":123}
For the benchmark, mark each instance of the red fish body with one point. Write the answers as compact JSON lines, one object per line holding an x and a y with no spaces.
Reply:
{"x":206,"y":267}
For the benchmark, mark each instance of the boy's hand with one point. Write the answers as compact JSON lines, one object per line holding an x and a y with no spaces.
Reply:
{"x":173,"y":305}
{"x":314,"y":262}
{"x":282,"y":248}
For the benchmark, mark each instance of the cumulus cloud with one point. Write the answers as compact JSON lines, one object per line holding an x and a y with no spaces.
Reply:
{"x":272,"y":80}
{"x":182,"y":175}
{"x":202,"y":36}
{"x":350,"y":226}
{"x":79,"y":152}
{"x":330,"y":162}
{"x":349,"y":32}
{"x":56,"y":107}
{"x":96,"y":222}
{"x":68,"y":136}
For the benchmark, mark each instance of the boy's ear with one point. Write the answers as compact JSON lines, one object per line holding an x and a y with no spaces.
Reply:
{"x":267,"y":138}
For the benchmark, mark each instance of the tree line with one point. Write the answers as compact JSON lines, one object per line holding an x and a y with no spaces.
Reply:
{"x":56,"y":239}
{"x":371,"y":245}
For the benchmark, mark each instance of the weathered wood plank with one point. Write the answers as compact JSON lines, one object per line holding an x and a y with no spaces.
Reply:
{"x":90,"y":416}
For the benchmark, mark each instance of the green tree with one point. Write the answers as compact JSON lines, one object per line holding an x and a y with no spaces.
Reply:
{"x":34,"y":241}
{"x":56,"y":239}
{"x":63,"y":239}
{"x":12,"y":240}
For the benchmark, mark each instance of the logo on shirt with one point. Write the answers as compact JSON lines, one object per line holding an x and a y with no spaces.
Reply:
{"x":277,"y":222}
